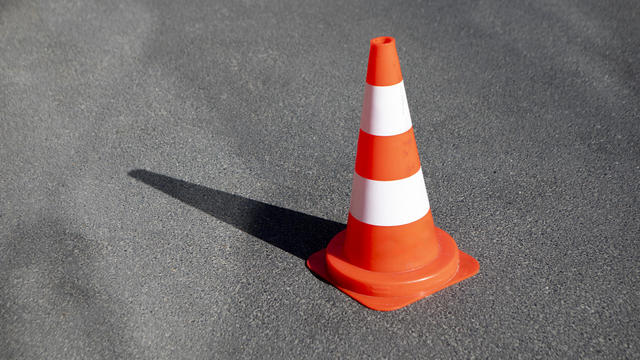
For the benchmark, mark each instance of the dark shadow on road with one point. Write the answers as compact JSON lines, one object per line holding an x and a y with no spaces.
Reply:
{"x":292,"y":231}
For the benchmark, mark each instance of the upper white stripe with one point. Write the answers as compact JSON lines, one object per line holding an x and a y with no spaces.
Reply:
{"x":385,"y":110}
{"x":389,"y":203}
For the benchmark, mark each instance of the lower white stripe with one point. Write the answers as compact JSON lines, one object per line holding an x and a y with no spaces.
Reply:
{"x":389,"y":203}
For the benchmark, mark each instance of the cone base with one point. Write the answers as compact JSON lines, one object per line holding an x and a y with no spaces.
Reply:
{"x":467,"y":267}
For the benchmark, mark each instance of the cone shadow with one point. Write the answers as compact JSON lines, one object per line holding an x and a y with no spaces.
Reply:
{"x":294,"y":232}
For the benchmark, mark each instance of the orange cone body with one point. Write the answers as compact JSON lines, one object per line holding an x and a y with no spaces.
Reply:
{"x":391,"y":254}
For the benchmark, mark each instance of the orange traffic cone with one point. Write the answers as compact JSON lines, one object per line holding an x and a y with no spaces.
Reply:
{"x":391,"y":254}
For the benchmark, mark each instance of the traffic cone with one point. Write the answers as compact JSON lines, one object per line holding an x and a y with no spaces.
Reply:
{"x":391,"y":254}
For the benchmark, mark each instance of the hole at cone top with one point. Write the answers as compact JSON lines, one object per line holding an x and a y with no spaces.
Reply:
{"x":382,"y":40}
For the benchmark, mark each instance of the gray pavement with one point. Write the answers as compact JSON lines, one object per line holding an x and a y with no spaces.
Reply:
{"x":167,"y":166}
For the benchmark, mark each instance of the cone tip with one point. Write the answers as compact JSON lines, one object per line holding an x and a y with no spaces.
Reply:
{"x":383,"y":41}
{"x":384,"y":66}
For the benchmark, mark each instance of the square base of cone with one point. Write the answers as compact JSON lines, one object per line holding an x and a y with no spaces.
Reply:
{"x":468,"y":267}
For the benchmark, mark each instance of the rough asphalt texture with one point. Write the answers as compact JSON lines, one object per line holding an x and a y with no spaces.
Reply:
{"x":167,"y":167}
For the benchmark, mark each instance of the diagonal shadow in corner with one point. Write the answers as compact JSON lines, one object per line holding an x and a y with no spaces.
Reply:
{"x":294,"y":232}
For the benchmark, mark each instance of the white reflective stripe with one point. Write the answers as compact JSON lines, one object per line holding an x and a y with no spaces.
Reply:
{"x":388,"y":203}
{"x":385,"y":110}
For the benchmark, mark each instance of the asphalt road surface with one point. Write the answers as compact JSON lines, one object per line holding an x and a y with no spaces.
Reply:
{"x":166,"y":167}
